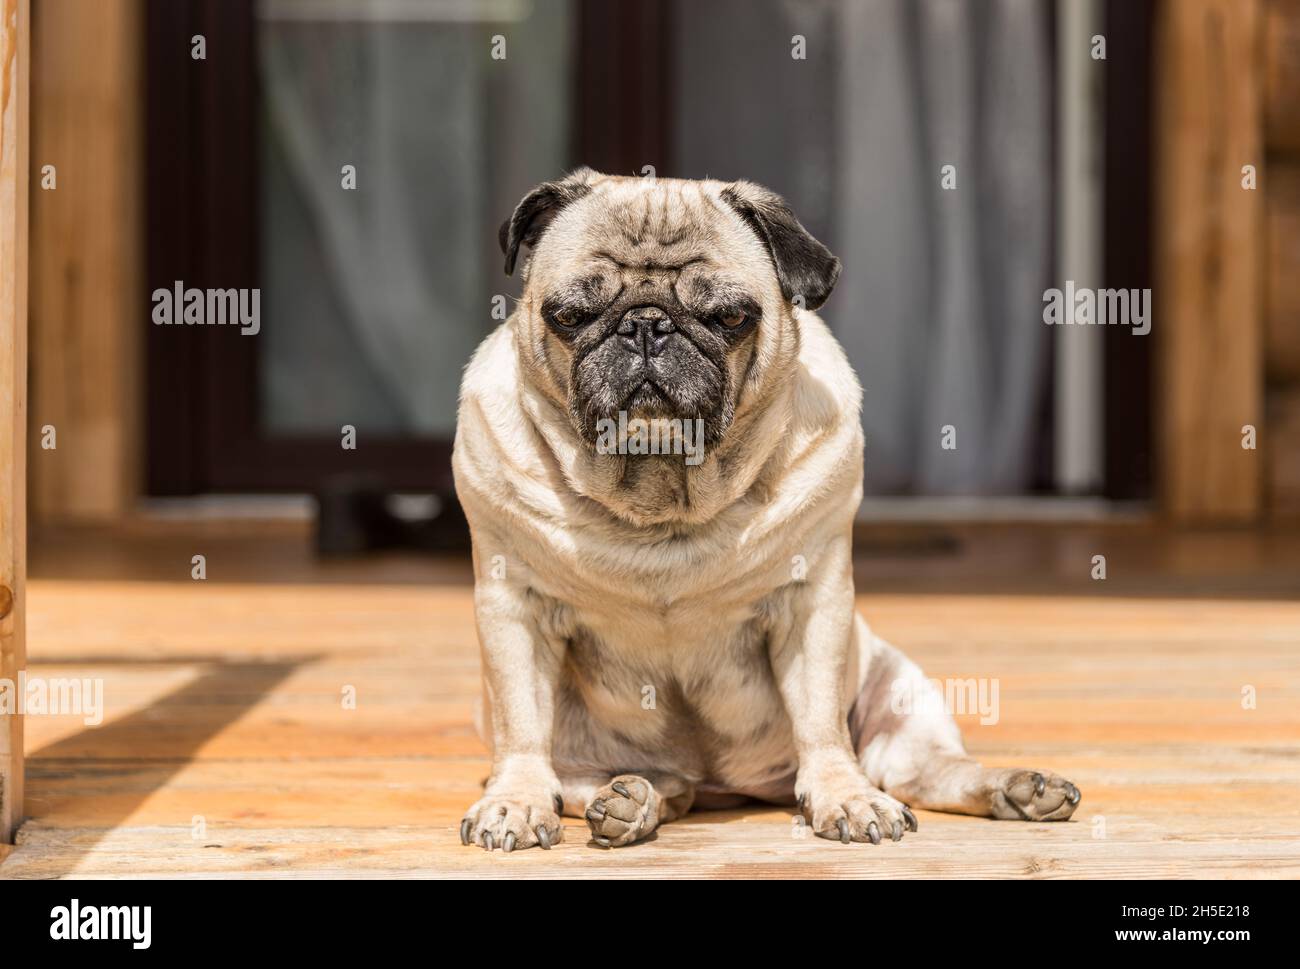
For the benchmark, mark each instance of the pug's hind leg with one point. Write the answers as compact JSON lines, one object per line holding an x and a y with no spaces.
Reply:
{"x":631,"y":806}
{"x":962,"y":785}
{"x":909,"y":746}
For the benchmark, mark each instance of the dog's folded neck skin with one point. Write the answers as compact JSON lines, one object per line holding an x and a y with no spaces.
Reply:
{"x":649,"y":490}
{"x":669,"y":302}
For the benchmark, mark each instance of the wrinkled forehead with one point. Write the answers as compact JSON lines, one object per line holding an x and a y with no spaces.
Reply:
{"x":659,"y":224}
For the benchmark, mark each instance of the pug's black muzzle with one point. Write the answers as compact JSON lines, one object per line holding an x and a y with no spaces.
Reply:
{"x":650,"y":359}
{"x":644,"y":330}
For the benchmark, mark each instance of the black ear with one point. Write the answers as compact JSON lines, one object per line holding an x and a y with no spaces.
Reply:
{"x":804,"y":267}
{"x":536,"y":210}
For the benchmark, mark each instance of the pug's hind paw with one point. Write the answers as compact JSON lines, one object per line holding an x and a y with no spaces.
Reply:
{"x":1027,"y":795}
{"x":623,"y":811}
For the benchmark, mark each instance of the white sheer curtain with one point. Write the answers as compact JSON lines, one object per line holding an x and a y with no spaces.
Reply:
{"x":939,"y":305}
{"x":942,"y":295}
{"x":376,"y":298}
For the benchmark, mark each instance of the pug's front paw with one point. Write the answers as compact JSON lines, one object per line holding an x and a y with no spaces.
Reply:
{"x":849,"y":809}
{"x":510,"y":821}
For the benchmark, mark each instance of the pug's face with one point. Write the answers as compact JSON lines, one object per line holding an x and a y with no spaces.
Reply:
{"x":660,"y":298}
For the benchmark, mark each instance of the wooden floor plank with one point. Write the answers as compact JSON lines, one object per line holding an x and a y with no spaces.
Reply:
{"x":223,"y":705}
{"x":753,"y":844}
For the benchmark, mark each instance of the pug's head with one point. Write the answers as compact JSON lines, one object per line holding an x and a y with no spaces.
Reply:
{"x":661,"y":298}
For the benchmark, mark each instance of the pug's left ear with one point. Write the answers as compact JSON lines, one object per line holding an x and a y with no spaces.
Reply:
{"x":804,"y":267}
{"x":536,"y":210}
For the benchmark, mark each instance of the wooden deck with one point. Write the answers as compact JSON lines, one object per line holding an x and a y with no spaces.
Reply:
{"x":227,"y":750}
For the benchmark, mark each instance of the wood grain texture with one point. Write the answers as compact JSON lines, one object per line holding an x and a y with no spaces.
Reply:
{"x":1282,"y":76}
{"x":1282,"y":300}
{"x":1283,"y":451}
{"x":87,"y":301}
{"x":226,"y":749}
{"x":1208,"y":258}
{"x":14,"y":52}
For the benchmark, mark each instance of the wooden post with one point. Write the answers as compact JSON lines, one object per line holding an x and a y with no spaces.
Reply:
{"x":15,"y":30}
{"x":1282,"y":300}
{"x":1207,"y":296}
{"x":85,"y":303}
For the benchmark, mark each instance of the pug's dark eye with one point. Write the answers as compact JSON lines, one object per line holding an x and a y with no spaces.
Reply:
{"x":568,"y":317}
{"x":733,"y":320}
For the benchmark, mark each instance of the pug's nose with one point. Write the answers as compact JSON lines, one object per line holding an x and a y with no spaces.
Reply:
{"x":644,"y":329}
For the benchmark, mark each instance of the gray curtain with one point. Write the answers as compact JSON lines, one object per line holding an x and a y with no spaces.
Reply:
{"x":374,"y":299}
{"x":942,"y":293}
{"x":939,"y":305}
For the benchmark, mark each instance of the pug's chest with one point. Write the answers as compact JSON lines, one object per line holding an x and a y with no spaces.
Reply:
{"x":690,"y":691}
{"x":684,"y":588}
{"x":669,"y":668}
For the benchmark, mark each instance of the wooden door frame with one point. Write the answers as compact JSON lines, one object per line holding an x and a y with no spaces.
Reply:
{"x":15,"y":47}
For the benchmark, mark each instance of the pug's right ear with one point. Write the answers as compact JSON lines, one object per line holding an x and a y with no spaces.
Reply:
{"x":536,"y":210}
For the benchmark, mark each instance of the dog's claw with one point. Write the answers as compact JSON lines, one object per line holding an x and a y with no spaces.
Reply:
{"x":621,"y":788}
{"x":1040,"y":784}
{"x":897,"y":833}
{"x":911,"y":818}
{"x":843,"y":825}
{"x":873,"y":832}
{"x":1072,"y":794}
{"x":543,"y":839}
{"x":595,"y":813}
{"x":603,"y":842}
{"x":559,"y":804}
{"x":488,"y":841}
{"x":464,"y":831}
{"x":509,"y":844}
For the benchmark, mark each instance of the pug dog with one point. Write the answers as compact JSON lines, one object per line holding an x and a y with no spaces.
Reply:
{"x":674,"y":626}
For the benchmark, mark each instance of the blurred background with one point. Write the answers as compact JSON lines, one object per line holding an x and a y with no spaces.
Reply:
{"x":226,"y":172}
